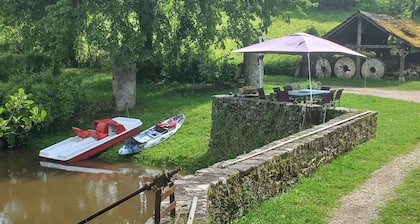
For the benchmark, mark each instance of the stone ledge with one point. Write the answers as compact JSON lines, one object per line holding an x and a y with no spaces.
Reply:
{"x":225,"y":193}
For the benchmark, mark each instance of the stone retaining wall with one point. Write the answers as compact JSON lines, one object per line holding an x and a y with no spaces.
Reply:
{"x":241,"y":124}
{"x":228,"y":189}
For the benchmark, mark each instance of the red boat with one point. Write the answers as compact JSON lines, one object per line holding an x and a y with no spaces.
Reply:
{"x":89,"y":143}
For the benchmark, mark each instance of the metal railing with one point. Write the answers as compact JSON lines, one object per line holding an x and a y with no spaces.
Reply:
{"x":160,"y":181}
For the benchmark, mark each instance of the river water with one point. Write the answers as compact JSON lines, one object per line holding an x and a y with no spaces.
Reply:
{"x":34,"y":191}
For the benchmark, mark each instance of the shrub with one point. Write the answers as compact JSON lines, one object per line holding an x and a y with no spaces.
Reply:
{"x":185,"y":69}
{"x":285,"y":66}
{"x":200,"y":67}
{"x":18,"y":116}
{"x":60,"y":95}
{"x":11,"y":64}
{"x":220,"y":72}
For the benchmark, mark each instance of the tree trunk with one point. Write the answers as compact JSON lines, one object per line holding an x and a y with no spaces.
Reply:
{"x":124,"y":84}
{"x":251,"y":69}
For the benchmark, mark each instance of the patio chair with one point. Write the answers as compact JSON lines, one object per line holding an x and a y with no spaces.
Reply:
{"x":326,"y":99}
{"x":337,"y":97}
{"x":288,"y":88}
{"x":326,"y":102}
{"x":325,"y":88}
{"x":261,"y":94}
{"x":273,"y":95}
{"x":283,"y":96}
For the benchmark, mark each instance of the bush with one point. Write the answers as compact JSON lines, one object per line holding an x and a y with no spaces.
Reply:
{"x":220,"y":72}
{"x":286,"y":66}
{"x":11,"y":64}
{"x":19,"y":116}
{"x":200,"y":67}
{"x":60,"y":95}
{"x":186,"y":69}
{"x":336,"y":4}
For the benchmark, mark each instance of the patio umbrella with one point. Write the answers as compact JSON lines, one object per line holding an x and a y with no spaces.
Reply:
{"x":298,"y":43}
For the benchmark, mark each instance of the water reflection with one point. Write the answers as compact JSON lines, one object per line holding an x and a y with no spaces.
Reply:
{"x":34,"y":191}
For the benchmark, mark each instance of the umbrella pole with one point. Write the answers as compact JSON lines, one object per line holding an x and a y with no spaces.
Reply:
{"x":310,"y":78}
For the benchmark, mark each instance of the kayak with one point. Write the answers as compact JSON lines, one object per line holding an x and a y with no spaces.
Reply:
{"x":153,"y":135}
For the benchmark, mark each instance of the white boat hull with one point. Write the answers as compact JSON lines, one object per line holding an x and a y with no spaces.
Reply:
{"x":151,"y":136}
{"x":78,"y":148}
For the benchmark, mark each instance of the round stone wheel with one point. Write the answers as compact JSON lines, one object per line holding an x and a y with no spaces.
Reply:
{"x":322,"y":68}
{"x":345,"y":67}
{"x":373,"y":68}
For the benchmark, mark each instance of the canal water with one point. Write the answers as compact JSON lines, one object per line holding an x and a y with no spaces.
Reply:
{"x":35,"y":191}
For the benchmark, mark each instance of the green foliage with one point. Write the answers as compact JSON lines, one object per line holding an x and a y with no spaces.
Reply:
{"x":60,"y":95}
{"x":18,"y":117}
{"x":60,"y":27}
{"x":282,"y":65}
{"x":312,"y":30}
{"x":201,"y":68}
{"x":166,"y":39}
{"x":336,"y":4}
{"x":11,"y":64}
{"x":397,"y":8}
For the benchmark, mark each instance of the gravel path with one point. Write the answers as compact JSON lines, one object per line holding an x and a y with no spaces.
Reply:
{"x":363,"y":204}
{"x":412,"y":95}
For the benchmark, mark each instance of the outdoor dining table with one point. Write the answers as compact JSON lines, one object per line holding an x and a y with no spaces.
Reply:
{"x":303,"y":95}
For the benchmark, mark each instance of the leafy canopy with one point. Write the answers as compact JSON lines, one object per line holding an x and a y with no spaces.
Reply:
{"x":149,"y":31}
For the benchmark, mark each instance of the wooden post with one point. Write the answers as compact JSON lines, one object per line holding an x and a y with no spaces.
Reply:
{"x":403,"y":53}
{"x":158,"y":199}
{"x":172,"y":199}
{"x":358,"y":43}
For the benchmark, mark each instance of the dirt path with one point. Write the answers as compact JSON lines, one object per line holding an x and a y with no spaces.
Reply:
{"x":413,"y":95}
{"x":362,"y":205}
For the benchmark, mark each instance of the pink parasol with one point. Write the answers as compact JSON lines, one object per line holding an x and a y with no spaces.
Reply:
{"x":298,"y":43}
